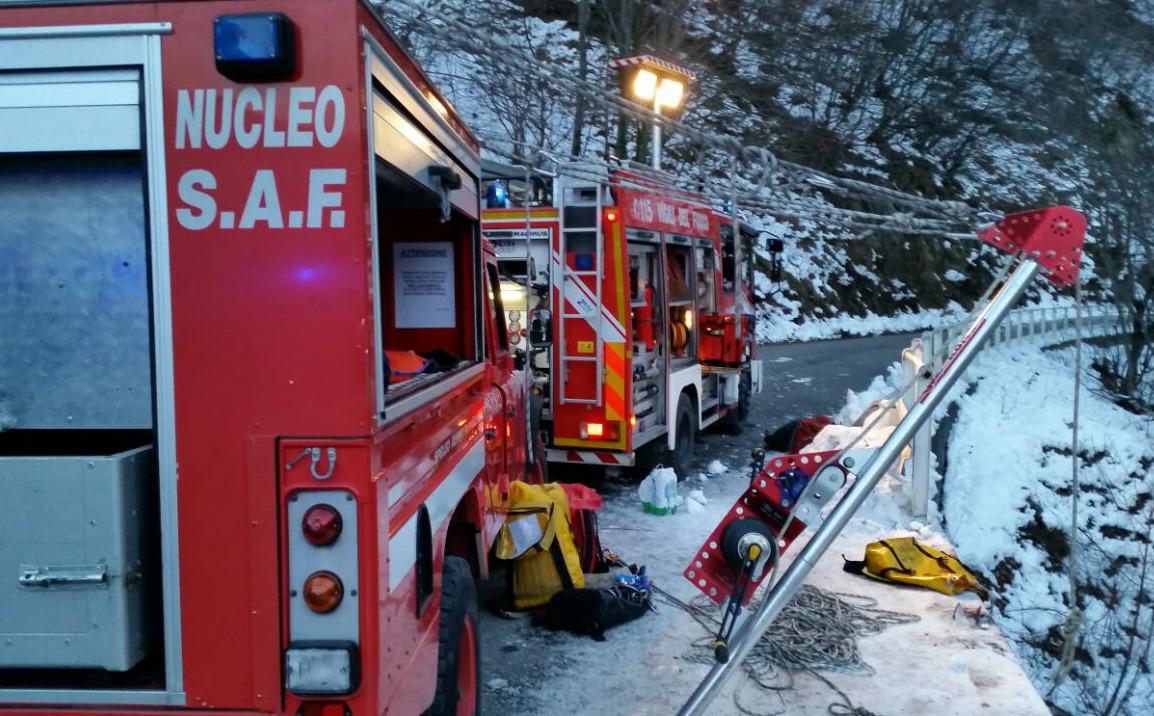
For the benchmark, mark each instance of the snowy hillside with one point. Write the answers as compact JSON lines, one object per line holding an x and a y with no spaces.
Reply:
{"x":1007,"y":506}
{"x":941,"y":100}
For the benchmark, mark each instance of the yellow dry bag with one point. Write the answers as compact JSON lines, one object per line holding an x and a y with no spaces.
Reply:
{"x":536,"y":534}
{"x":905,"y":561}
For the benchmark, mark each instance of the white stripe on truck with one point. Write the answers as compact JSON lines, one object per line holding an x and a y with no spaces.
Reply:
{"x":440,"y":504}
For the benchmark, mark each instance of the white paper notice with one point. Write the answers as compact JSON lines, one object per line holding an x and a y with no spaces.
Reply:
{"x":423,"y":285}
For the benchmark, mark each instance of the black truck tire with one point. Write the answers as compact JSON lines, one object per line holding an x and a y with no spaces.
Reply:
{"x":680,"y":458}
{"x":459,"y":651}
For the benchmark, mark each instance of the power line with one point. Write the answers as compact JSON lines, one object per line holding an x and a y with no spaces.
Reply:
{"x":452,"y":30}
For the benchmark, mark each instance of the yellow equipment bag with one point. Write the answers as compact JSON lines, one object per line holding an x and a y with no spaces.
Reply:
{"x":536,"y":534}
{"x":905,"y":561}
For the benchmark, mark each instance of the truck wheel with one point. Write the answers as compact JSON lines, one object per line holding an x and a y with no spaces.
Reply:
{"x":733,"y":422}
{"x":459,"y":655}
{"x":680,"y":458}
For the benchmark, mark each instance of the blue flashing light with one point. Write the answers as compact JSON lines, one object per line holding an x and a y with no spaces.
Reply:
{"x":496,"y":195}
{"x":254,"y":47}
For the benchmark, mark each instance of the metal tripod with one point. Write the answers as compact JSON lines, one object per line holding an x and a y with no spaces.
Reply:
{"x":1049,"y":240}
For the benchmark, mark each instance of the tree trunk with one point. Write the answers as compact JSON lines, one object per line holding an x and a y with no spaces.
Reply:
{"x":583,"y":74}
{"x":1134,"y":348}
{"x":621,"y":146}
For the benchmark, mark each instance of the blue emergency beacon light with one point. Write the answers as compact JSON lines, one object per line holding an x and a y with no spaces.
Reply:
{"x":259,"y":47}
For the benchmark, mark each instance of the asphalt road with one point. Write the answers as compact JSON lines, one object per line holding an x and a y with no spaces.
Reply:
{"x":812,"y":378}
{"x":800,"y":379}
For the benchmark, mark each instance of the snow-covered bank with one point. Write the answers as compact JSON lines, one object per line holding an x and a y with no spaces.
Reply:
{"x":774,"y":328}
{"x":1007,"y":505}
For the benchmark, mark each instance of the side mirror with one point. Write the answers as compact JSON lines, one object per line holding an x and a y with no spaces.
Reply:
{"x":775,"y":246}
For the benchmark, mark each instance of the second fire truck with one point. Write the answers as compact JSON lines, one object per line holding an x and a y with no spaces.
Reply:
{"x":633,"y":301}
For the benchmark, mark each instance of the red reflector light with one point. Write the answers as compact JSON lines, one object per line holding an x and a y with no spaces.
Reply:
{"x":323,"y":708}
{"x":321,"y":525}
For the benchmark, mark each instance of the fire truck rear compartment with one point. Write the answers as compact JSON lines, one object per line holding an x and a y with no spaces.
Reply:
{"x":80,"y":579}
{"x":425,"y":264}
{"x":649,"y":338}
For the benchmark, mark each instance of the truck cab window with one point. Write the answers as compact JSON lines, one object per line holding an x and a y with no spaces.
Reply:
{"x":497,"y":308}
{"x":706,"y":280}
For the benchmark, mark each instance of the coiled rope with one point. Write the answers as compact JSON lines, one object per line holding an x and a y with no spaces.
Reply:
{"x":817,"y":632}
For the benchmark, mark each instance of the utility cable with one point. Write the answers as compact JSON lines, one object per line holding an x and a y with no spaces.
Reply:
{"x":462,"y":35}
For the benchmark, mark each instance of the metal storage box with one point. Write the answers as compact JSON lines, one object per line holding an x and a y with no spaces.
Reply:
{"x":73,"y":582}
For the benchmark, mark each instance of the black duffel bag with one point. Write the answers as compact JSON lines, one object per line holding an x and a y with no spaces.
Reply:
{"x":592,"y":611}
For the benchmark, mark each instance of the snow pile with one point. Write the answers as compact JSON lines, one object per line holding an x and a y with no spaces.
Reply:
{"x":1007,"y":504}
{"x":882,"y":387}
{"x":716,"y":467}
{"x":695,"y":502}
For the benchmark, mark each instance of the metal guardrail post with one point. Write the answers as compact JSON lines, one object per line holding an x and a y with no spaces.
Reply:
{"x":1032,"y":323}
{"x":916,"y":374}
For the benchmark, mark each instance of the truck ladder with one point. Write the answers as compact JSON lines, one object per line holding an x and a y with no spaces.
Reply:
{"x":1046,"y":240}
{"x":571,"y":281}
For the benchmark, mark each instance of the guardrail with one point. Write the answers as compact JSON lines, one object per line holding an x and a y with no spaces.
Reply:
{"x":926,"y":354}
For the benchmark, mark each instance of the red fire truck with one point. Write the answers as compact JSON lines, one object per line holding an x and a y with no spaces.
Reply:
{"x":638,"y":305}
{"x":257,"y":408}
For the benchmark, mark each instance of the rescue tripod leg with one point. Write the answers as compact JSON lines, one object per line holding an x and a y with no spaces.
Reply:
{"x":746,"y":634}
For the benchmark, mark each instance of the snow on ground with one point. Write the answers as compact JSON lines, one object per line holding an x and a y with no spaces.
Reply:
{"x":1007,"y":504}
{"x":774,"y":329}
{"x":946,"y":663}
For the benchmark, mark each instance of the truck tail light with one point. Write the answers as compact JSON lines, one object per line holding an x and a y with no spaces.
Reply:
{"x":592,"y":430}
{"x":321,"y":668}
{"x":321,"y":525}
{"x":610,"y":431}
{"x":323,"y":708}
{"x":323,"y":592}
